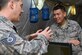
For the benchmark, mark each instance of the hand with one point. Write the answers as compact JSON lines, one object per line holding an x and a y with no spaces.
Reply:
{"x":74,"y":42}
{"x":32,"y":36}
{"x":47,"y":33}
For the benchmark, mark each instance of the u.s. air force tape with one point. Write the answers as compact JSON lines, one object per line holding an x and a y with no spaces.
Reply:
{"x":9,"y":40}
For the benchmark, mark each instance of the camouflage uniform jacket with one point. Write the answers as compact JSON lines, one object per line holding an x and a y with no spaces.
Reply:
{"x":72,"y":30}
{"x":12,"y":44}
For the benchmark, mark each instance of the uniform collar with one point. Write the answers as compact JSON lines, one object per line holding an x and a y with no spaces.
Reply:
{"x":5,"y":20}
{"x":65,"y":25}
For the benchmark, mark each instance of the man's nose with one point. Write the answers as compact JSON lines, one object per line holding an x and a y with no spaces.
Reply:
{"x":22,"y":11}
{"x":56,"y":16}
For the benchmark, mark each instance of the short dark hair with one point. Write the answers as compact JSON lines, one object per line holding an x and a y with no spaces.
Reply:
{"x":3,"y":3}
{"x":58,"y":6}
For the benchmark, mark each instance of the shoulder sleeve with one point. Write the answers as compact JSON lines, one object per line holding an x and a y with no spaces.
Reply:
{"x":79,"y":31}
{"x":15,"y":42}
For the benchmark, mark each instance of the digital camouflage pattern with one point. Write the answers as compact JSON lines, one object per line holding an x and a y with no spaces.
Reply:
{"x":12,"y":44}
{"x":71,"y":30}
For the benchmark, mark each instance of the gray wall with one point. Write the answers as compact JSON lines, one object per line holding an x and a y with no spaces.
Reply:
{"x":24,"y":26}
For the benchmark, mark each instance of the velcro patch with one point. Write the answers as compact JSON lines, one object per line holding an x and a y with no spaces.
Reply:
{"x":9,"y":40}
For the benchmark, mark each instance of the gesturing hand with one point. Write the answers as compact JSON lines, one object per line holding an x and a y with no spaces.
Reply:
{"x":47,"y":33}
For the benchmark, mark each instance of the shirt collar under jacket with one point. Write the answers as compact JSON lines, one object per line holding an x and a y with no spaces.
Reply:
{"x":66,"y":24}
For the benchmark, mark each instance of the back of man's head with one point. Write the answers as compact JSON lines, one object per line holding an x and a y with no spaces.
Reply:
{"x":3,"y":3}
{"x":59,"y":6}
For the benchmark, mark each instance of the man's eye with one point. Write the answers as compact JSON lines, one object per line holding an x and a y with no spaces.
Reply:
{"x":54,"y":14}
{"x":21,"y":5}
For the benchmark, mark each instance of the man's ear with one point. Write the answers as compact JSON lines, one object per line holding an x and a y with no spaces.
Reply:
{"x":64,"y":14}
{"x":11,"y":4}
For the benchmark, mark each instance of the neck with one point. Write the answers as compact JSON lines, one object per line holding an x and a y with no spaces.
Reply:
{"x":62,"y":23}
{"x":5,"y":14}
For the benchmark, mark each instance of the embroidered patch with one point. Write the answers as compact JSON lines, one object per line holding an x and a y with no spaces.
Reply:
{"x":9,"y":40}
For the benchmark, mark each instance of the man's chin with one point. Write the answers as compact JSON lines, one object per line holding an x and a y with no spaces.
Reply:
{"x":16,"y":20}
{"x":58,"y":22}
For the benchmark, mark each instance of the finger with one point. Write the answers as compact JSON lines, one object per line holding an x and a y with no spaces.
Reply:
{"x":50,"y":34}
{"x":34,"y":34}
{"x":47,"y":28}
{"x":40,"y":30}
{"x":50,"y":31}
